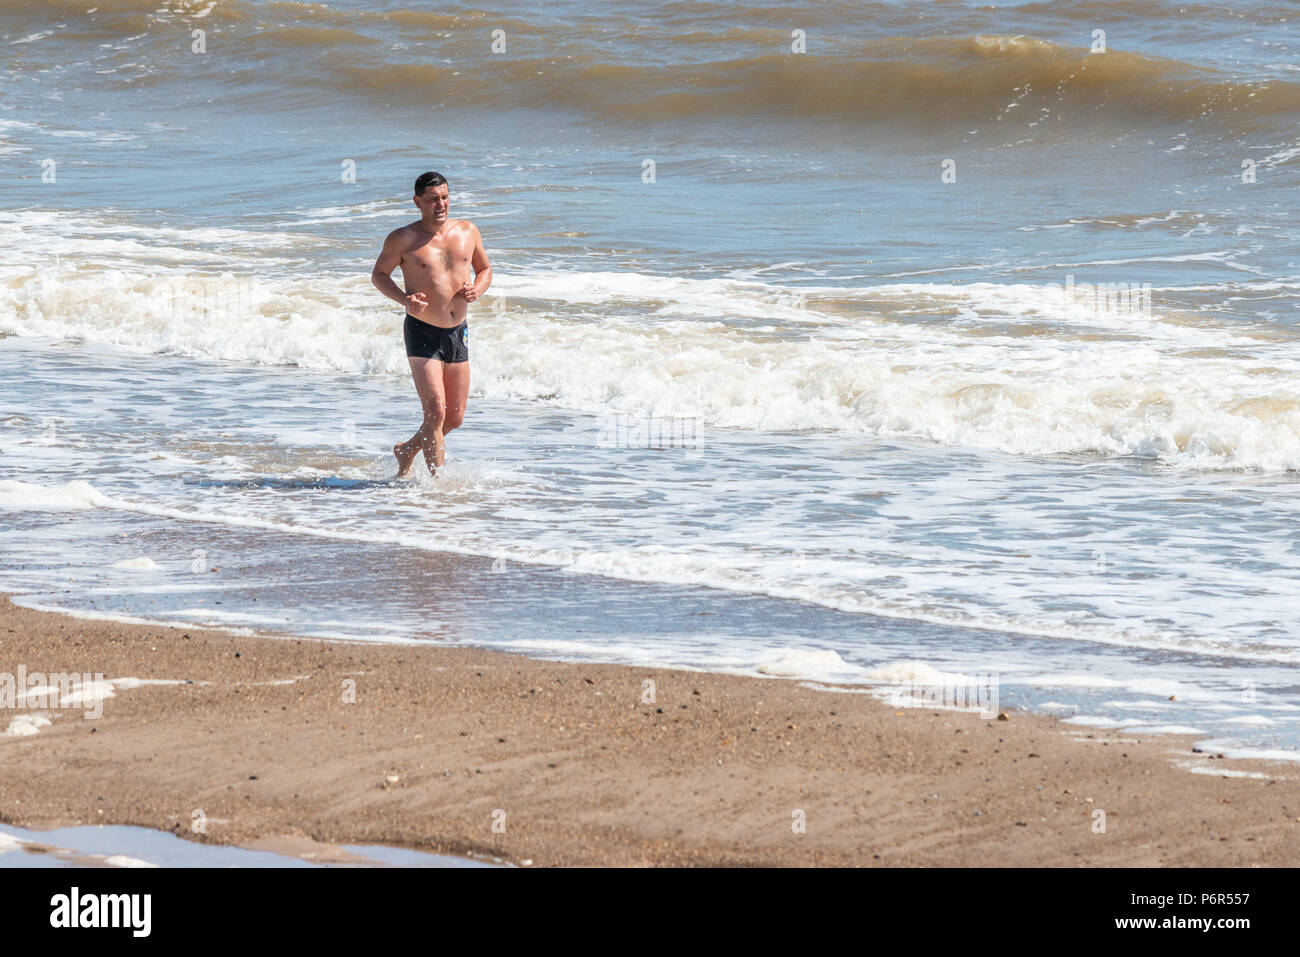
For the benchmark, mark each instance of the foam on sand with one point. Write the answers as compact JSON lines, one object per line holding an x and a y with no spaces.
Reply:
{"x":25,"y":725}
{"x":143,"y":562}
{"x":81,"y":696}
{"x":801,"y":663}
{"x":913,"y":672}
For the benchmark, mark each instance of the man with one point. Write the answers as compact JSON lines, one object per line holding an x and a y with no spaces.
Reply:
{"x":436,"y":255}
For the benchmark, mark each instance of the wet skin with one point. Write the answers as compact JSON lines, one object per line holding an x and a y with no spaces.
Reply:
{"x":444,"y":268}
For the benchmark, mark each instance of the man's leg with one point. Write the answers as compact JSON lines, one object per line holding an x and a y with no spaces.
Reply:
{"x":455,"y":386}
{"x":427,"y":374}
{"x":405,"y":452}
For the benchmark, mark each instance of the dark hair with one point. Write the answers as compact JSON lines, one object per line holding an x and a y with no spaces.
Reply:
{"x":425,"y":180}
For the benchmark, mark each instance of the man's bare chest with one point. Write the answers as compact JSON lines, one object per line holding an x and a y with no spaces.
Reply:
{"x":437,"y":259}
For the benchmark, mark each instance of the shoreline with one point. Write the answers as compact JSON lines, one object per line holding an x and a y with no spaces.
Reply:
{"x":468,"y":751}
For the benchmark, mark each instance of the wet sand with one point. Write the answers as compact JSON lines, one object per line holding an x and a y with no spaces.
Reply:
{"x":458,"y":751}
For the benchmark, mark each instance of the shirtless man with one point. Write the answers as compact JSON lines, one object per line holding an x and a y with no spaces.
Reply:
{"x":436,"y":255}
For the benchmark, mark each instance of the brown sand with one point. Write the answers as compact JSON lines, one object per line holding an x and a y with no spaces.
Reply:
{"x":440,"y":738}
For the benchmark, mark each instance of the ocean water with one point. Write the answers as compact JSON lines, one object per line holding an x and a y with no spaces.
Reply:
{"x":118,"y":845}
{"x":951,"y":342}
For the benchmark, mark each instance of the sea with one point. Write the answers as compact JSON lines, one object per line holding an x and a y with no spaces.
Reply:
{"x":848,"y":343}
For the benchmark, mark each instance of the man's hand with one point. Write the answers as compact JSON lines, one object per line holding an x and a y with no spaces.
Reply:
{"x":417,"y":303}
{"x":469,"y":292}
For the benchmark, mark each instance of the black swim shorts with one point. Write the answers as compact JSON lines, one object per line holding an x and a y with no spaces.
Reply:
{"x":434,"y":342}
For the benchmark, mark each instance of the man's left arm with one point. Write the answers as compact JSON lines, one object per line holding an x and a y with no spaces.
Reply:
{"x":482,"y":269}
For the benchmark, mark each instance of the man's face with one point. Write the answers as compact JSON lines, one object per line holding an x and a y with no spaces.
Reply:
{"x":435,"y":201}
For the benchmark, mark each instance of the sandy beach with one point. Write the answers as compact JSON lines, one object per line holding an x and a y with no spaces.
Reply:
{"x":465,"y":751}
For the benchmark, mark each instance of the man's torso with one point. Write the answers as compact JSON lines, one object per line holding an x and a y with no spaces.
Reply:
{"x":438,"y":265}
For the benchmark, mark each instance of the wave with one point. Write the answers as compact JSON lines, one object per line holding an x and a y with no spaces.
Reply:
{"x":776,"y":577}
{"x":597,"y":67}
{"x":921,"y":82}
{"x":1022,"y":368}
{"x":100,"y":20}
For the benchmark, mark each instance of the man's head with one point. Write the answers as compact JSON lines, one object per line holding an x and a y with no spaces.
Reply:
{"x":432,"y":195}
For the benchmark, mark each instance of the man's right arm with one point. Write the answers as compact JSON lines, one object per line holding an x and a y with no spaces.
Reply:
{"x":390,"y":257}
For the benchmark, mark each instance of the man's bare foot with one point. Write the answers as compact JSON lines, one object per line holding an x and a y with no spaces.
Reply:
{"x":405,"y":453}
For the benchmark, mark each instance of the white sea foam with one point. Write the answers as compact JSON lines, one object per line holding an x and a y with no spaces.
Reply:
{"x":910,"y":683}
{"x":1230,"y":749}
{"x":665,"y":565}
{"x":1013,"y":367}
{"x":128,"y":619}
{"x":73,"y":495}
{"x":804,"y":663}
{"x":25,"y":725}
{"x":1165,"y":729}
{"x":1101,"y":721}
{"x":1140,"y":704}
{"x":1198,"y":767}
{"x":914,"y":672}
{"x":88,"y":693}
